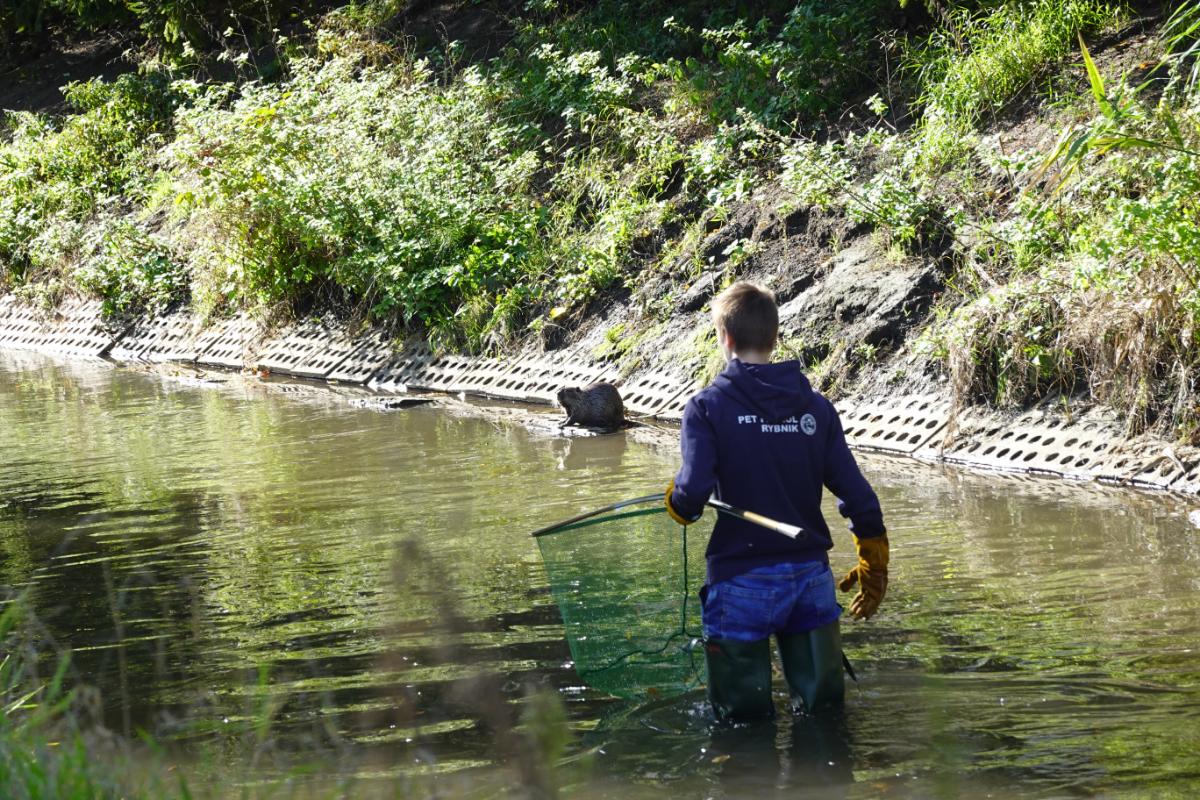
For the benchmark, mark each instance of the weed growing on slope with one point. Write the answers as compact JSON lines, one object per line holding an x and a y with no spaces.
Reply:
{"x":1114,"y":305}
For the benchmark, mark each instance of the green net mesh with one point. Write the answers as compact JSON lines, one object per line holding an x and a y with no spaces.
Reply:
{"x":626,"y":583}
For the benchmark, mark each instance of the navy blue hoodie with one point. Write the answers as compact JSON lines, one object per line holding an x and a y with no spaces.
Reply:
{"x":759,"y":438}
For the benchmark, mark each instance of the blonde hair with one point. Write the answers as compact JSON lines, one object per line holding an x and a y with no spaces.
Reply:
{"x":748,"y":314}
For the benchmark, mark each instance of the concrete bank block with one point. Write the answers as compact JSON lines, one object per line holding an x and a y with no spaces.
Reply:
{"x":403,"y":367}
{"x":1152,"y":464}
{"x":170,"y":337}
{"x":1189,"y":479}
{"x":228,"y":343}
{"x":446,"y":373}
{"x":657,"y":394}
{"x":81,"y":331}
{"x":526,"y":378}
{"x":516,"y":379}
{"x":902,"y":424}
{"x":534,"y":377}
{"x":1039,"y":440}
{"x":20,"y":326}
{"x":559,"y":369}
{"x":484,"y":376}
{"x":308,"y":349}
{"x":371,"y":353}
{"x":75,"y":328}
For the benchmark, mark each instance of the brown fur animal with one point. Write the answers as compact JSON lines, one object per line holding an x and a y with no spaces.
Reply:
{"x":597,"y":405}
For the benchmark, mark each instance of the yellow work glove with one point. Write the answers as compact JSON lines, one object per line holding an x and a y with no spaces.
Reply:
{"x":871,"y":575}
{"x":671,"y":512}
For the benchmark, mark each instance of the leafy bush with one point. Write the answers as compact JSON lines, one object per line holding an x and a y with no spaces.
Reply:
{"x":374,"y":183}
{"x":870,"y":178}
{"x":176,"y":27}
{"x":53,"y":177}
{"x":132,"y":270}
{"x":817,"y":174}
{"x":778,"y":63}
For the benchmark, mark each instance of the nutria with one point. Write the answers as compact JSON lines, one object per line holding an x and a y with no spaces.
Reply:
{"x":597,"y":405}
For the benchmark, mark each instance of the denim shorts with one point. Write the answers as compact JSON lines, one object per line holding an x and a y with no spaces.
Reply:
{"x":779,"y":598}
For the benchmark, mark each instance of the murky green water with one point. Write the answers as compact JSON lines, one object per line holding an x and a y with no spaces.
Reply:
{"x":220,"y":557}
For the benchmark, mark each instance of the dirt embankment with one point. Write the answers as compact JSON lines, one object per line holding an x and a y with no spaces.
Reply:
{"x":846,"y":302}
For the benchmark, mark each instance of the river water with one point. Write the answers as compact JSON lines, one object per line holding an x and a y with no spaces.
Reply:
{"x":264,"y":579}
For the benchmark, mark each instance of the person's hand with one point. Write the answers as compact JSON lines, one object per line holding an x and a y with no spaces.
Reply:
{"x":672,"y":513}
{"x":871,"y":574}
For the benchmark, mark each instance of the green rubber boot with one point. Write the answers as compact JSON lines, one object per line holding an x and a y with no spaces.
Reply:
{"x":812,"y":664}
{"x":739,"y":679}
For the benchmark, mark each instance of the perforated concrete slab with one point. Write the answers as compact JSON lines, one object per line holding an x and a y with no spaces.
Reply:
{"x":371,"y":354}
{"x":1152,"y":464}
{"x":1189,"y":479}
{"x":337,"y":346}
{"x":1036,"y":441}
{"x":130,"y":346}
{"x":8,"y":319}
{"x":227,"y":343}
{"x":656,"y":394}
{"x":307,"y":349}
{"x":444,"y":373}
{"x":407,"y":365}
{"x":164,"y":338}
{"x":673,"y":410}
{"x":534,"y":377}
{"x":23,"y":327}
{"x":510,"y":379}
{"x":484,"y":378}
{"x":527,"y":378}
{"x":563,"y":369}
{"x":76,"y":328}
{"x":81,"y":331}
{"x":901,"y":424}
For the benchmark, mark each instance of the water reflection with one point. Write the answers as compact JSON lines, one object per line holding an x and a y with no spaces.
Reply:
{"x":220,"y":557}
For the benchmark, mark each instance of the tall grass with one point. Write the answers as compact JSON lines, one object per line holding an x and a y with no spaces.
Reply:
{"x":43,"y":752}
{"x":979,"y":60}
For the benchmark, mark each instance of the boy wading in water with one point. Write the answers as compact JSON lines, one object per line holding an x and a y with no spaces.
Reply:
{"x":763,"y":440}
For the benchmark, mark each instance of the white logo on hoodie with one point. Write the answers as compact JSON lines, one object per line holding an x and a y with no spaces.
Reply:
{"x":808,"y":424}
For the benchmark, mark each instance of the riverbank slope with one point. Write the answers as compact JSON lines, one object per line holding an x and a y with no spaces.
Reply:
{"x":980,"y":213}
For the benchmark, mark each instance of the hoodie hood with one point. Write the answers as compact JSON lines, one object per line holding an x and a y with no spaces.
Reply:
{"x":776,"y":391}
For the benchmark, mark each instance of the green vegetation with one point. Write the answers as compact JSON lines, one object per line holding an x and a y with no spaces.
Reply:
{"x":474,"y":202}
{"x":66,"y":191}
{"x":482,"y":200}
{"x":1075,"y":266}
{"x":980,"y":60}
{"x":1101,"y":263}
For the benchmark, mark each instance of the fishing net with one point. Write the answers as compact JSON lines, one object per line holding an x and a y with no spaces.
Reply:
{"x":626,"y":583}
